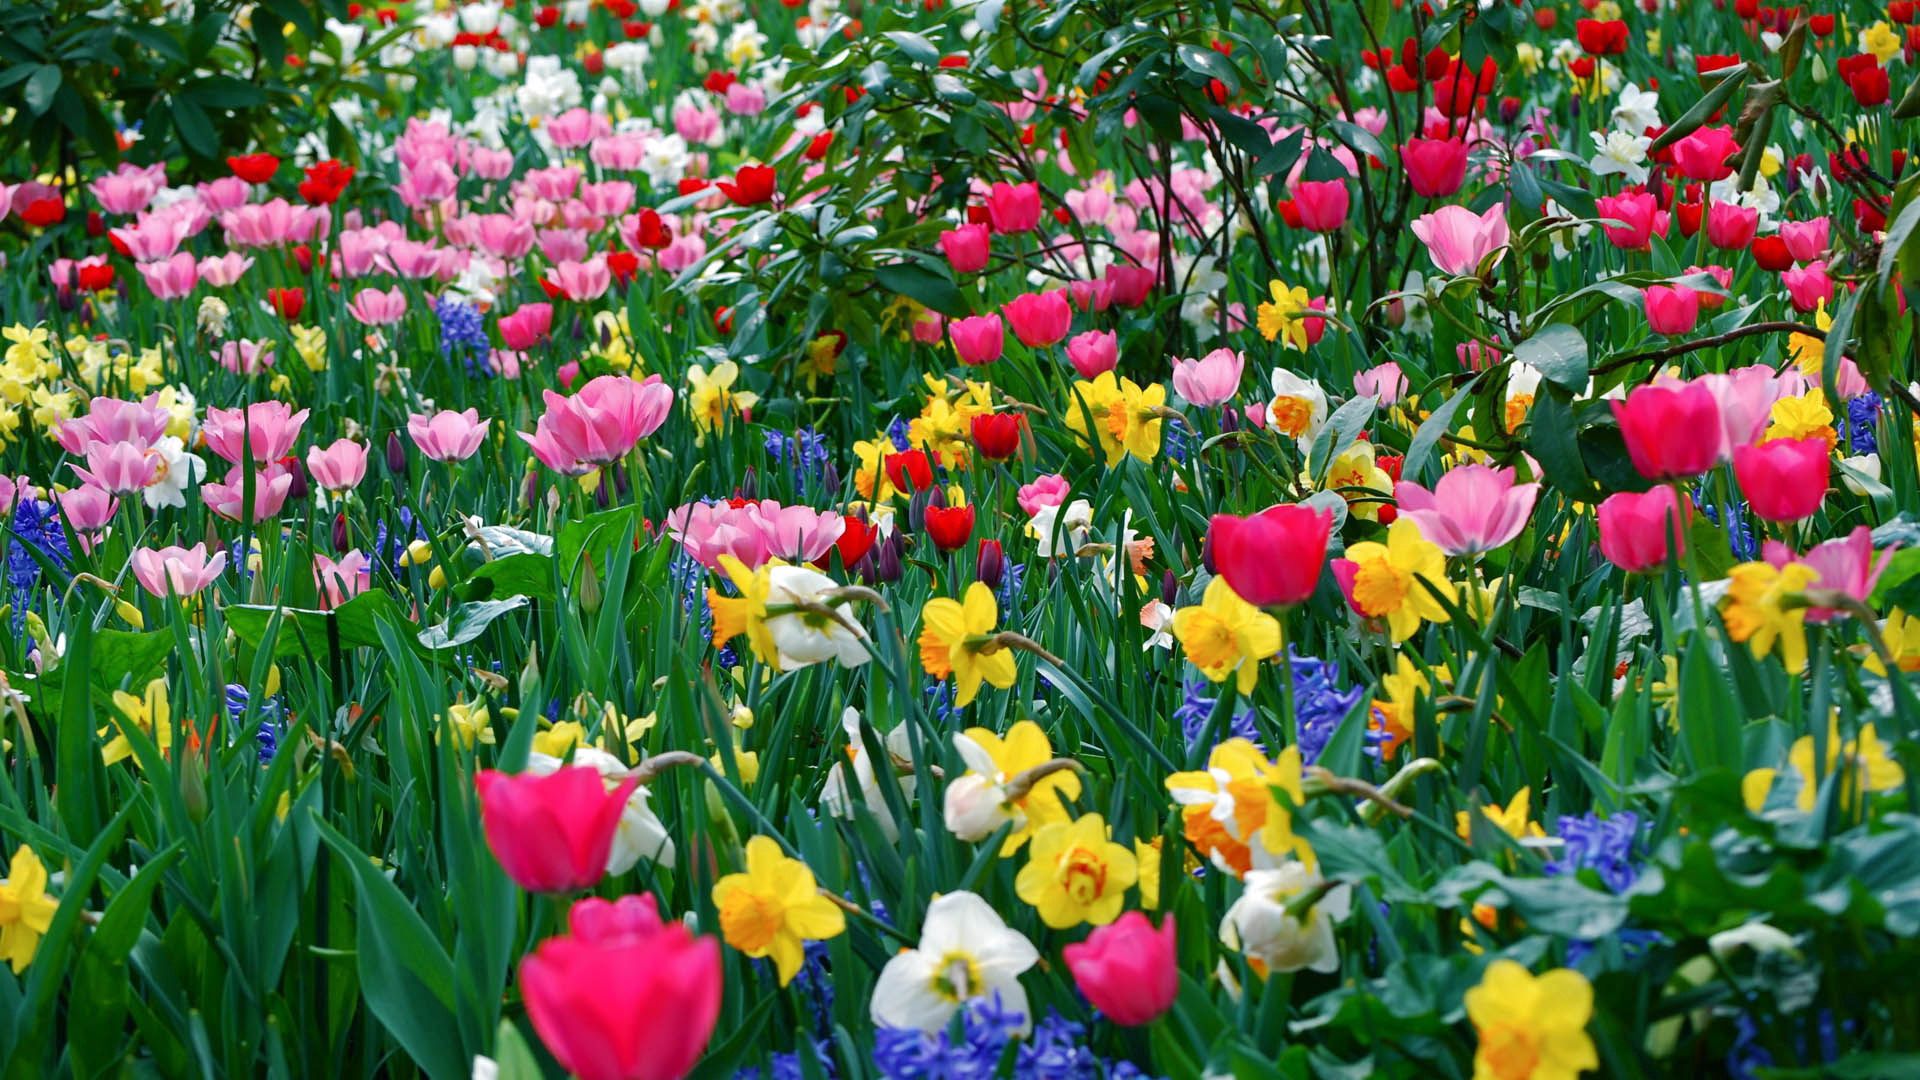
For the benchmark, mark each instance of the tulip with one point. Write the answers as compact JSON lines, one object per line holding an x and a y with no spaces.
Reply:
{"x":909,"y":470}
{"x":171,"y":278}
{"x":1272,"y":558}
{"x":626,"y":996}
{"x":339,"y":467}
{"x":266,"y":430}
{"x":1846,"y":565}
{"x":1637,"y":527}
{"x":339,"y":582}
{"x":1671,"y":309}
{"x":600,"y":424}
{"x":1459,"y":240}
{"x":1322,"y":204}
{"x":527,"y":326}
{"x":178,"y":571}
{"x":271,"y":486}
{"x":1808,"y":287}
{"x":997,"y":435}
{"x":1636,"y":212}
{"x":966,"y":248}
{"x":978,"y":340}
{"x":1671,"y":432}
{"x":1745,"y":398}
{"x":1730,"y":226}
{"x":1703,"y":154}
{"x":1473,"y":509}
{"x":1013,"y":208}
{"x":751,"y":185}
{"x":1127,"y":968}
{"x":1045,"y":491}
{"x":1785,"y":479}
{"x":1039,"y":319}
{"x":1384,"y":382}
{"x":448,"y":435}
{"x":1211,"y":380}
{"x":1435,"y":167}
{"x":552,"y":833}
{"x":1094,"y":351}
{"x":1131,"y":284}
{"x":950,"y":527}
{"x":121,"y":468}
{"x":990,"y":565}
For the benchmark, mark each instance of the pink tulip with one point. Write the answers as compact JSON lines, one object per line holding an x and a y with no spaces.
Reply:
{"x":600,"y":424}
{"x":127,"y":191}
{"x":1459,"y":240}
{"x":1131,"y":284}
{"x":1635,"y":211}
{"x":338,"y":468}
{"x":1745,"y":398}
{"x":1039,"y":319}
{"x":1322,"y":204}
{"x":1127,"y":968}
{"x":1806,"y":240}
{"x":121,"y":468}
{"x":1671,"y":309}
{"x":504,"y":236}
{"x":1846,"y":565}
{"x":576,"y":127}
{"x":1808,"y":286}
{"x":170,"y":279}
{"x":228,"y":498}
{"x":375,"y":308}
{"x":966,"y":248}
{"x":339,"y":582}
{"x":552,"y":833}
{"x":266,"y":430}
{"x":111,"y":420}
{"x":1703,"y":154}
{"x":448,"y":435}
{"x":977,"y":339}
{"x":1730,"y":227}
{"x":527,"y":326}
{"x":1095,"y":295}
{"x":1385,"y":382}
{"x":1045,"y":491}
{"x":1473,"y":509}
{"x":753,"y":533}
{"x":1635,"y":528}
{"x":178,"y":571}
{"x":1272,"y":558}
{"x":1435,"y":167}
{"x":626,"y":997}
{"x":221,"y":271}
{"x":245,"y":357}
{"x":1672,"y":432}
{"x":87,"y":507}
{"x":271,"y":224}
{"x":1784,"y":479}
{"x":1210,"y":380}
{"x":1093,"y":351}
{"x":1013,"y":208}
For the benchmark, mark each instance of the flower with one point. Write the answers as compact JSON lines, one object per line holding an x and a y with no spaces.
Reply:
{"x":1297,"y":409}
{"x":1511,"y":819}
{"x":626,"y":996}
{"x":1845,"y":564}
{"x":955,"y":639}
{"x":1402,"y":581}
{"x":1671,"y":309}
{"x":977,"y":803}
{"x":1038,"y":319}
{"x":1272,"y":558}
{"x":1124,"y":418}
{"x":1076,"y":874}
{"x":1013,"y":208}
{"x":978,"y":340}
{"x":641,"y":834}
{"x":26,"y":908}
{"x":1863,"y":763}
{"x":447,"y":435}
{"x":1473,"y":509}
{"x":149,"y":714}
{"x":1230,"y":812}
{"x":1261,"y":925}
{"x":1127,"y":968}
{"x":554,"y":832}
{"x":178,"y":571}
{"x":1282,"y":316}
{"x":1093,"y":351}
{"x":1459,"y":240}
{"x":1784,"y":480}
{"x":600,"y":424}
{"x":1531,"y":1028}
{"x":773,"y":906}
{"x":338,"y":468}
{"x":966,"y":952}
{"x":1671,"y":432}
{"x":1225,"y":635}
{"x":1211,"y":380}
{"x":712,"y":398}
{"x":1637,"y":528}
{"x":1756,"y":610}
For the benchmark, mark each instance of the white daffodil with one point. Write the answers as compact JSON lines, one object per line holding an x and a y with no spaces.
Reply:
{"x":975,"y":804}
{"x":1259,"y":926}
{"x":837,"y":798}
{"x":805,"y":637}
{"x":1298,"y":407}
{"x":1620,"y":154}
{"x":1062,"y":530}
{"x":1637,"y":110}
{"x":966,"y":952}
{"x":177,"y":470}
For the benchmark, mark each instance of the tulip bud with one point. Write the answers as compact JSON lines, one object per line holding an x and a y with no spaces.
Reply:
{"x":887,"y":565}
{"x":396,"y":455}
{"x":299,"y":489}
{"x":342,"y":541}
{"x":600,"y":498}
{"x":974,"y":808}
{"x":531,"y":489}
{"x":749,"y":485}
{"x":917,"y":509}
{"x":1169,"y":588}
{"x":622,"y":484}
{"x":1229,"y":420}
{"x":990,"y":569}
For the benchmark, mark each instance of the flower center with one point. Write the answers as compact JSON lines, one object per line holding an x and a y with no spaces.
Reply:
{"x":1509,"y":1050}
{"x":957,"y":977}
{"x":1292,"y":415}
{"x":1379,"y":587}
{"x":1211,"y":645}
{"x":750,"y":920}
{"x":1083,"y":874}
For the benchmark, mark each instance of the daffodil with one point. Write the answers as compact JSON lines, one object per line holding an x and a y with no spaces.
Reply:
{"x":773,"y":907}
{"x":560,"y":738}
{"x":1358,"y":478}
{"x":1511,"y":819}
{"x":1401,"y":581}
{"x":1801,"y":417}
{"x":149,"y":713}
{"x":1224,"y":635}
{"x":1230,"y":812}
{"x":955,"y":639}
{"x":470,"y":722}
{"x":310,"y":344}
{"x":870,"y":475}
{"x":1125,"y":418}
{"x":1076,"y":874}
{"x":712,"y":398}
{"x":1757,"y":612}
{"x":1901,"y":632}
{"x":1280,"y":317}
{"x":1531,"y":1028}
{"x":966,"y":952}
{"x":1262,"y":927}
{"x":745,"y":613}
{"x":1864,"y":763}
{"x":26,"y":909}
{"x":978,"y":802}
{"x":1393,"y":715}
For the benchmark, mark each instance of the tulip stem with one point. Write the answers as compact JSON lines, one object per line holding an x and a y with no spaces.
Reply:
{"x":652,"y":767}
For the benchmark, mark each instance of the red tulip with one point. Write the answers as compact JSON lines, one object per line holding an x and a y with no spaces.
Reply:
{"x":950,"y":526}
{"x":910,"y":470}
{"x":287,"y":303}
{"x":1126,"y":968}
{"x":1272,"y":558}
{"x":997,"y":435}
{"x":751,"y":186}
{"x":1785,"y":479}
{"x":1322,"y":204}
{"x":626,"y":997}
{"x":1671,"y":432}
{"x":1771,"y":253}
{"x":551,"y":833}
{"x":1601,"y":37}
{"x":254,"y":168}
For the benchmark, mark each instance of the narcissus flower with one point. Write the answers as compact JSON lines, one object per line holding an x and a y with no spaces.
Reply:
{"x":1075,"y":873}
{"x":1273,"y":938}
{"x":26,"y":909}
{"x":979,"y":802}
{"x":1231,"y":813}
{"x":1224,"y":635}
{"x":1511,"y":819}
{"x":1125,"y":417}
{"x":149,"y":713}
{"x":966,"y":952}
{"x":1531,"y":1028}
{"x":956,"y":640}
{"x":1756,"y":610}
{"x":774,"y":906}
{"x":1401,"y":581}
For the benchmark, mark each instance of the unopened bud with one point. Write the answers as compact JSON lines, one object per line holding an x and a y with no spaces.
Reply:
{"x":991,"y":567}
{"x":396,"y":455}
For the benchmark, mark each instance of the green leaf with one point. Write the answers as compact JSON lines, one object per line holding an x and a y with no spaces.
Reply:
{"x":1711,"y":102}
{"x":1560,"y":352}
{"x":917,"y":49}
{"x":303,"y":631}
{"x":916,"y":282}
{"x":513,"y":1056}
{"x":1359,"y":139}
{"x":41,"y":86}
{"x":1338,"y":433}
{"x":1211,"y":64}
{"x":1438,"y":423}
{"x":468,"y":621}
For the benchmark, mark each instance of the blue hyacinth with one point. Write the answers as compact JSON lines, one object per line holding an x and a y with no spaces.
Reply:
{"x":36,"y":528}
{"x":1196,"y":709}
{"x":1862,"y":427}
{"x":1319,"y":706}
{"x":463,"y":334}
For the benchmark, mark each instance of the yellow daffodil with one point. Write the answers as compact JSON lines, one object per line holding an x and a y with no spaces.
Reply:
{"x":1902,"y":635}
{"x":1281,"y":316}
{"x":1394,"y":714}
{"x":1075,"y":874}
{"x":1756,"y":610}
{"x":1882,"y":40}
{"x":712,"y":397}
{"x":870,"y":475}
{"x":1224,"y":635}
{"x":149,"y":713}
{"x":1146,"y":855}
{"x":28,"y":348}
{"x":557,"y":740}
{"x":1531,"y":1028}
{"x":1125,"y":418}
{"x":1358,"y":478}
{"x":470,"y":723}
{"x":994,"y":760}
{"x":26,"y":910}
{"x":310,"y":344}
{"x":1400,"y":581}
{"x":1866,"y":763}
{"x":774,"y":906}
{"x":1230,"y":812}
{"x":746,"y":613}
{"x":955,"y":639}
{"x":1805,"y":416}
{"x":1511,"y":819}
